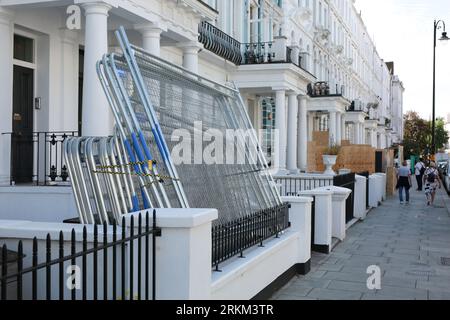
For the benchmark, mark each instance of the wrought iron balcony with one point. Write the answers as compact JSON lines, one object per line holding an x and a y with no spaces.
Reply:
{"x":356,"y":106}
{"x":322,"y":89}
{"x":220,"y":43}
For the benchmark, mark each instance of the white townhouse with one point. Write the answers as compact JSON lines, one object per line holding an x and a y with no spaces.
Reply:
{"x":301,"y":66}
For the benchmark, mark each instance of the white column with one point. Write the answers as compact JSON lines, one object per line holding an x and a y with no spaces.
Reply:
{"x":356,"y":135}
{"x":190,"y":55}
{"x":97,"y":117}
{"x":6,"y":89}
{"x":292,"y":133}
{"x":338,"y":128}
{"x":303,"y":135}
{"x":332,"y":127}
{"x":373,"y":138}
{"x":362,"y":134}
{"x":280,"y":124}
{"x":343,"y":128}
{"x":151,"y":38}
{"x":69,"y":97}
{"x":310,"y":117}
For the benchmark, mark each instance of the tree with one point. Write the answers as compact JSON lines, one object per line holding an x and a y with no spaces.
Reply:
{"x":442,"y":135}
{"x":418,"y":132}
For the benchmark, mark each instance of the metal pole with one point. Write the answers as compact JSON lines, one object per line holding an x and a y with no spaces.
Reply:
{"x":433,"y":130}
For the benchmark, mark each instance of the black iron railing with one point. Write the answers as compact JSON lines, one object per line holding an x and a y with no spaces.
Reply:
{"x":258,"y":52}
{"x":233,"y":238}
{"x":290,"y":186}
{"x":46,"y":162}
{"x":347,"y":181}
{"x":323,"y":89}
{"x":220,"y":43}
{"x":109,"y":270}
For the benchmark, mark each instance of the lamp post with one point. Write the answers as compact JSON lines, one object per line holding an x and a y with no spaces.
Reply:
{"x":444,"y":37}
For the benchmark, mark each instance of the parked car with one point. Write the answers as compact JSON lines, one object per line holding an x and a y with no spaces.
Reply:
{"x":446,"y":176}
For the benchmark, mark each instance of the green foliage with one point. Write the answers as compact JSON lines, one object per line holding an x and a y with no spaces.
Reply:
{"x":417,"y":140}
{"x":332,"y":150}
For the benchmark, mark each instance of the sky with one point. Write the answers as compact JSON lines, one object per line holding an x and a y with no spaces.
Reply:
{"x":403,"y":32}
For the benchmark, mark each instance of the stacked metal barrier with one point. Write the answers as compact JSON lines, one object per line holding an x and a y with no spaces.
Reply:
{"x":151,"y":99}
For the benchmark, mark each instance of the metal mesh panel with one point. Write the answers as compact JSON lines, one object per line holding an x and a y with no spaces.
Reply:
{"x":180,"y":101}
{"x":152,"y":101}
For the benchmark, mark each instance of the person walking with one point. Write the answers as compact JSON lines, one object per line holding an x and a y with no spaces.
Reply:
{"x":404,"y":181}
{"x":432,"y":182}
{"x":419,"y":172}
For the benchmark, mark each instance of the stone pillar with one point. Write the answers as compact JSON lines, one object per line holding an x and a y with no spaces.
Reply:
{"x":97,"y":117}
{"x":338,"y":128}
{"x":343,"y":128}
{"x":292,"y":133}
{"x":280,"y":124}
{"x":373,"y":138}
{"x":332,"y":128}
{"x":310,"y":126}
{"x":69,"y":97}
{"x":184,"y":253}
{"x":151,"y":38}
{"x":303,"y":135}
{"x":190,"y":55}
{"x":6,"y":90}
{"x":356,"y":134}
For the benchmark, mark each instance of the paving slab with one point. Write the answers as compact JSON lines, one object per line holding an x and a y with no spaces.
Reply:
{"x":406,"y":242}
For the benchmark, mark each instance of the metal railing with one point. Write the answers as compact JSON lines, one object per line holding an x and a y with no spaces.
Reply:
{"x":290,"y":186}
{"x":347,"y":181}
{"x":107,"y":268}
{"x":47,"y":161}
{"x":323,"y":89}
{"x":257,"y":52}
{"x":233,"y":238}
{"x":220,"y":43}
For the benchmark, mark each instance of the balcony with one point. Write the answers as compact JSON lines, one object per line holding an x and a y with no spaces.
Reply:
{"x":322,"y":89}
{"x":220,"y":43}
{"x":356,"y":106}
{"x":225,"y":46}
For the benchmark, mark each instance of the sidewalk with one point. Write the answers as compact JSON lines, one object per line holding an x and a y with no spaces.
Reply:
{"x":411,"y":245}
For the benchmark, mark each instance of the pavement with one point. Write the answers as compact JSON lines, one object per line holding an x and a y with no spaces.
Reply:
{"x":409,"y":243}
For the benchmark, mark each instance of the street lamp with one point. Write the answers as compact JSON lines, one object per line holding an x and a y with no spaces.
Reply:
{"x":444,"y":37}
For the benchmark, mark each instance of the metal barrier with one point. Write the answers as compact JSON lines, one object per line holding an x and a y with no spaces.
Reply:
{"x":233,"y":238}
{"x":109,"y":269}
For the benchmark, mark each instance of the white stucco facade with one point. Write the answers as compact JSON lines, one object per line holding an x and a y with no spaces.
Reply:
{"x":294,"y":44}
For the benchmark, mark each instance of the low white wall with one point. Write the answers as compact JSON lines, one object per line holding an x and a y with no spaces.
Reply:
{"x":38,"y":204}
{"x":360,"y":210}
{"x":243,"y":279}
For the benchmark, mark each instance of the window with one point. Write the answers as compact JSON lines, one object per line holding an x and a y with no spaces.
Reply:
{"x":23,"y":48}
{"x":268,"y":126}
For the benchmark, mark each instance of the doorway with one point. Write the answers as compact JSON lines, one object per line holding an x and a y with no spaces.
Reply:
{"x":22,"y":126}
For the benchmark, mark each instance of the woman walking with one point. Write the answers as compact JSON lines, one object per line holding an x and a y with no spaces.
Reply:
{"x":404,"y":181}
{"x":432,"y":182}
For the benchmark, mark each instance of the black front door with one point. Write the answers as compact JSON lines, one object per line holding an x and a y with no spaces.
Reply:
{"x":22,"y":137}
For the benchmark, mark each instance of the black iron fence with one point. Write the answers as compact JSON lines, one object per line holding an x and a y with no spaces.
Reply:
{"x":43,"y":161}
{"x":233,"y":238}
{"x":290,"y":186}
{"x":110,"y":269}
{"x":347,"y":181}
